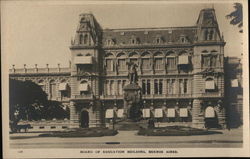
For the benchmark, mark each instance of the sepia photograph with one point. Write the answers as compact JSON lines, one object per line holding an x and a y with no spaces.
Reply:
{"x":125,"y":79}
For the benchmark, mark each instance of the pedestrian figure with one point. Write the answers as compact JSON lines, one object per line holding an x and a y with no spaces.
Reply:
{"x":151,"y":123}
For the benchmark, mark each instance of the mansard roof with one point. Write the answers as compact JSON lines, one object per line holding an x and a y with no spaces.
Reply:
{"x":149,"y":35}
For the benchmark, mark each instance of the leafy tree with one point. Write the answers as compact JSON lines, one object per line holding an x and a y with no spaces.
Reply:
{"x":236,"y":16}
{"x":27,"y":101}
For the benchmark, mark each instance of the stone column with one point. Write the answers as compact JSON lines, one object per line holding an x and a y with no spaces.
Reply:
{"x":74,"y":116}
{"x":197,"y":115}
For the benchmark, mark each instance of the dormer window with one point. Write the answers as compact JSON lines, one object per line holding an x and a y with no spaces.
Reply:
{"x":133,"y":41}
{"x":110,"y":42}
{"x":183,"y":39}
{"x":158,"y":40}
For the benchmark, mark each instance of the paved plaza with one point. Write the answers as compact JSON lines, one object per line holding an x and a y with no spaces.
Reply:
{"x":129,"y":139}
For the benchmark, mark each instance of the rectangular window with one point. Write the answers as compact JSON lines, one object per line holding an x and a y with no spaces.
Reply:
{"x":173,"y":86}
{"x":160,"y":86}
{"x":171,"y":63}
{"x":143,"y":87}
{"x":213,"y":61}
{"x":205,"y":61}
{"x":109,"y":64}
{"x":53,"y":90}
{"x":122,"y":64}
{"x":120,"y":91}
{"x":156,"y":86}
{"x":158,"y":64}
{"x":112,"y":88}
{"x":210,"y":85}
{"x":145,"y":64}
{"x":181,"y":86}
{"x":169,"y":87}
{"x":148,"y":87}
{"x":185,"y":85}
{"x":107,"y":88}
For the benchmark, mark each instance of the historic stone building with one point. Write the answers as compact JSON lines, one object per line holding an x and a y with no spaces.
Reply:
{"x":180,"y":72}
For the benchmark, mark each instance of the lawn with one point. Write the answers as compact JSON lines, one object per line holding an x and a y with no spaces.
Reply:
{"x":82,"y":132}
{"x":175,"y":131}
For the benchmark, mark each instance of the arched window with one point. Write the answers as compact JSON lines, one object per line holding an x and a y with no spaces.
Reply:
{"x":121,"y":62}
{"x":209,"y":112}
{"x":171,"y":60}
{"x":158,"y":61}
{"x":64,"y":89}
{"x":133,"y":58}
{"x":109,"y":62}
{"x":145,"y":58}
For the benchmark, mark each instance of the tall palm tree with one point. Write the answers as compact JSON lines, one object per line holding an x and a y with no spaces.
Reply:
{"x":236,"y":16}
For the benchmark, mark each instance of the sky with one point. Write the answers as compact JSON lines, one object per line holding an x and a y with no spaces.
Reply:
{"x":40,"y":33}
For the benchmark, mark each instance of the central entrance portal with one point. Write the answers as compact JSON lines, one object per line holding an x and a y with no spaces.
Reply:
{"x":84,"y":119}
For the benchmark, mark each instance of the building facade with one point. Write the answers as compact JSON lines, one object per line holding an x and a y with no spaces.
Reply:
{"x":180,"y":73}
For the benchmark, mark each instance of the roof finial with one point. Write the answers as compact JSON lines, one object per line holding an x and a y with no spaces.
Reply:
{"x":24,"y":65}
{"x":13,"y":66}
{"x":35,"y":65}
{"x":58,"y":65}
{"x":47,"y":65}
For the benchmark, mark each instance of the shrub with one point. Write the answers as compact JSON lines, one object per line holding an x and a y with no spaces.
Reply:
{"x":174,"y":131}
{"x":87,"y":132}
